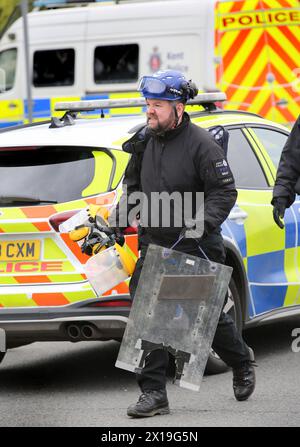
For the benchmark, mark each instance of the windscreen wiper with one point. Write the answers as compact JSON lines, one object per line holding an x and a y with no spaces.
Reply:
{"x":23,"y":199}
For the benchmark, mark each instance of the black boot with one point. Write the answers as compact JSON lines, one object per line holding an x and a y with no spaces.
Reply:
{"x":150,"y":403}
{"x":244,"y":380}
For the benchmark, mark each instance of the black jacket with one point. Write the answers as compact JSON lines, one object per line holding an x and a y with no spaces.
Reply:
{"x":184,"y":159}
{"x":288,"y":173}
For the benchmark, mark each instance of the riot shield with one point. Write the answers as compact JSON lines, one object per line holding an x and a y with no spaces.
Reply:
{"x":176,"y":307}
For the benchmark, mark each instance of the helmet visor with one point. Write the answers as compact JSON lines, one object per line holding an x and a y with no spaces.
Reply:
{"x":151,"y":86}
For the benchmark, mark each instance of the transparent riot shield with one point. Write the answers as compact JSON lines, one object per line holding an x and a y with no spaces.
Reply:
{"x":176,"y":307}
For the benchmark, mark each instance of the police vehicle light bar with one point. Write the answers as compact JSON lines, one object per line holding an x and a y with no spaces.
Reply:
{"x":203,"y":99}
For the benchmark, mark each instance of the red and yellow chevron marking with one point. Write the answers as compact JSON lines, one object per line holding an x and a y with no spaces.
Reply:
{"x":132,"y":245}
{"x":17,"y":220}
{"x":54,"y":268}
{"x":120,"y":289}
{"x":42,"y":279}
{"x":25,"y":227}
{"x":50,"y":299}
{"x":45,"y":299}
{"x":257,"y":46}
{"x":48,"y":211}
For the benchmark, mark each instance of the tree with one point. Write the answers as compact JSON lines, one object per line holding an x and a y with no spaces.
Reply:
{"x":7,"y":8}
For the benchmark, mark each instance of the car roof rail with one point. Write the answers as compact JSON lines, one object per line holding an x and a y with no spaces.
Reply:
{"x":206,"y":100}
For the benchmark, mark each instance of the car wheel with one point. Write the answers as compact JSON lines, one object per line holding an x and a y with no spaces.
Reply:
{"x":233,"y":307}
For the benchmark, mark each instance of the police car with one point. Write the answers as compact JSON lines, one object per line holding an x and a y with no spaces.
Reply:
{"x":51,"y":170}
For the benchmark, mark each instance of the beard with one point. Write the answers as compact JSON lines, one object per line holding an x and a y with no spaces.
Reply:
{"x":161,"y":127}
{"x":158,"y":129}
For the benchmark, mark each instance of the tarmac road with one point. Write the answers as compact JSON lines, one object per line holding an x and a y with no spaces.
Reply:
{"x":77,"y":385}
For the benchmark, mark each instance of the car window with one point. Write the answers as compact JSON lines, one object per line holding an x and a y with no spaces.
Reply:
{"x":8,"y":63}
{"x":52,"y":68}
{"x":245,"y":167}
{"x":116,"y":63}
{"x":58,"y":174}
{"x":273,"y":141}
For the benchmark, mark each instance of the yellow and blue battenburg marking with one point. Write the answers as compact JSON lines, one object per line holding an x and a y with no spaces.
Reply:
{"x":43,"y":108}
{"x":270,"y":255}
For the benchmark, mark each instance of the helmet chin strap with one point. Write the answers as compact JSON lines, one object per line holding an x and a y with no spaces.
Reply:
{"x":177,"y":118}
{"x":176,"y":115}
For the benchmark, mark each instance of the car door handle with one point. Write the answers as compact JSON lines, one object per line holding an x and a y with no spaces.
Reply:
{"x":12,"y":105}
{"x":238,"y":215}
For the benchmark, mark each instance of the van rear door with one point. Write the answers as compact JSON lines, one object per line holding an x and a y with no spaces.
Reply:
{"x":11,"y":104}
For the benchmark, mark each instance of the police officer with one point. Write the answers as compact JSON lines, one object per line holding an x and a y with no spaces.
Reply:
{"x":287,"y":182}
{"x":172,"y":154}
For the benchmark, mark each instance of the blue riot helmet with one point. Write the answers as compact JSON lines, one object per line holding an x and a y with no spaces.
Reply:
{"x":168,"y":85}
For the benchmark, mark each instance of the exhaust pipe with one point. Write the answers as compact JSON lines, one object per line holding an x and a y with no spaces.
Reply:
{"x":89,"y":331}
{"x":73,"y":332}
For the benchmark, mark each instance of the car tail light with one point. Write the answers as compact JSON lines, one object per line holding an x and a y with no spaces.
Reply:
{"x":130,"y":230}
{"x":57,"y":219}
{"x":112,"y":303}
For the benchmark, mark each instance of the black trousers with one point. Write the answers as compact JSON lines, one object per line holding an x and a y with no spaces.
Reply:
{"x":227,"y":343}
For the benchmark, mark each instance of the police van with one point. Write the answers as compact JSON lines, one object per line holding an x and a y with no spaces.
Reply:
{"x":247,"y":48}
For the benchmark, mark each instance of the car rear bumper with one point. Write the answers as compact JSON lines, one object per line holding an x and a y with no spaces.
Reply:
{"x":75,"y":322}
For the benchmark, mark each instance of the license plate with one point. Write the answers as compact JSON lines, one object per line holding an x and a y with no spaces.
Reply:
{"x":20,"y":250}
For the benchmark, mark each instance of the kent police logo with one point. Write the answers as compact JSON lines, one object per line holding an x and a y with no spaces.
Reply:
{"x":155,"y":60}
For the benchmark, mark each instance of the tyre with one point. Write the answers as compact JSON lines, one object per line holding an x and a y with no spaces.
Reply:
{"x":233,"y":307}
{"x":2,"y":354}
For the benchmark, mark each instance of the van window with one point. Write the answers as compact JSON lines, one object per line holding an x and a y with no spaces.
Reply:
{"x":8,"y":64}
{"x":52,"y":68}
{"x":116,"y":63}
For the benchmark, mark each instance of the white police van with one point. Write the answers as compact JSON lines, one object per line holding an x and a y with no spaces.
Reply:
{"x":247,"y":49}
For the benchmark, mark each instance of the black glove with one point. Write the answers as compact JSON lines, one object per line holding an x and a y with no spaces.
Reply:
{"x":120,"y":239}
{"x":279,"y":207}
{"x":116,"y":231}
